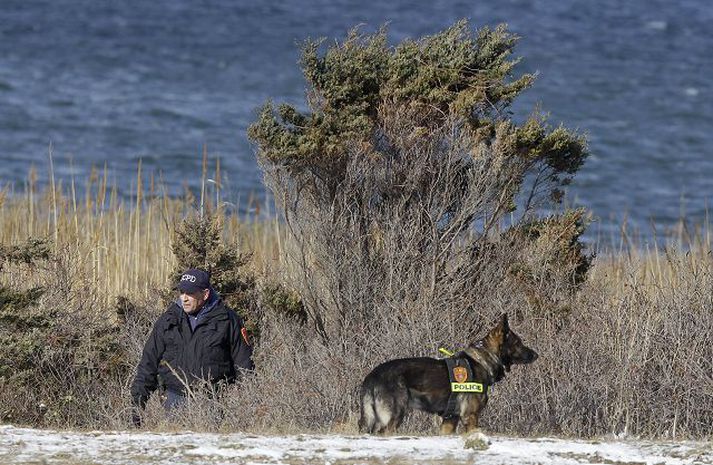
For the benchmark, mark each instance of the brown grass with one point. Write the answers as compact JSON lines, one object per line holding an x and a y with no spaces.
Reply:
{"x":633,"y":355}
{"x":119,"y":247}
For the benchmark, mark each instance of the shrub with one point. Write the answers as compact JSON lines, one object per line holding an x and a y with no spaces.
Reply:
{"x":58,"y":350}
{"x":198,"y":243}
{"x":411,"y":200}
{"x":406,"y":169}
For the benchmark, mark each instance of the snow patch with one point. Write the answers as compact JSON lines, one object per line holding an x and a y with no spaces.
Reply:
{"x":22,"y":445}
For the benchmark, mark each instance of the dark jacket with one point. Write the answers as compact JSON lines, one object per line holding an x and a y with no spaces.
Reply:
{"x":216,"y":350}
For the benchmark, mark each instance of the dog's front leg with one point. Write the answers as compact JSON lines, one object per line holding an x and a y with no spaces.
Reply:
{"x":449,"y":425}
{"x":471,"y":422}
{"x":472,"y":413}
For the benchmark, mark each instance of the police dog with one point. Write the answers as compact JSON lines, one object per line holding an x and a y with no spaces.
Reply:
{"x":396,"y":387}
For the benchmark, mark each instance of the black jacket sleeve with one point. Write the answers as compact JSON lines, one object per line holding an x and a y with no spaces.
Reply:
{"x":146,"y":380}
{"x":241,"y":350}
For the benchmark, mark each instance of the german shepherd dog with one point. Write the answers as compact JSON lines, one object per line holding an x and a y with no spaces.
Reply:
{"x":396,"y":387}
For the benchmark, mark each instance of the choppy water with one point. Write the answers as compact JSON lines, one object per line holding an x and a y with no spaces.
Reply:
{"x":116,"y":82}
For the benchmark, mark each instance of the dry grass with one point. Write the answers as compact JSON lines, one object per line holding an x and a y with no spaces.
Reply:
{"x":119,"y":247}
{"x":633,"y":355}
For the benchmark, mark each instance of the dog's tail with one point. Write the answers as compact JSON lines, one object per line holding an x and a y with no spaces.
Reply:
{"x":367,"y":420}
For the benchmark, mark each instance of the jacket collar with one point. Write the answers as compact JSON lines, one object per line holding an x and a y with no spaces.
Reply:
{"x":213,"y":308}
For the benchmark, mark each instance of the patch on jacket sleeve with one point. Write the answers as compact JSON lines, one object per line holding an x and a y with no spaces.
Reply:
{"x":244,"y":333}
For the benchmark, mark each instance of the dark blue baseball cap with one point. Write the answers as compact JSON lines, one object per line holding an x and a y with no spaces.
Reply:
{"x":194,"y":280}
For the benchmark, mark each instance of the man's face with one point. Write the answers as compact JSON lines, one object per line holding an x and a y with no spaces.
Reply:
{"x":194,"y":301}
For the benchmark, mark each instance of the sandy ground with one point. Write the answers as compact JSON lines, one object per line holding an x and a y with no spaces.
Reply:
{"x":32,"y":446}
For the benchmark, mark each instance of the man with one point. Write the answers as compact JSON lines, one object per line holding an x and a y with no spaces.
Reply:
{"x":197,"y":338}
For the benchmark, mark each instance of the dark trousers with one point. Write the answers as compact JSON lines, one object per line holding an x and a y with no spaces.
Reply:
{"x":173,"y":400}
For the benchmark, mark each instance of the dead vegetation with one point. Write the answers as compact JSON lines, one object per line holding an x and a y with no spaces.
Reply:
{"x":628,"y":353}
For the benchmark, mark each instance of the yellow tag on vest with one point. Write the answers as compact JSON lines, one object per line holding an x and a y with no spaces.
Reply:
{"x":466,"y":387}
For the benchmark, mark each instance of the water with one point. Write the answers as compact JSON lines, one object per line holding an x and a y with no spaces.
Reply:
{"x":115,"y":82}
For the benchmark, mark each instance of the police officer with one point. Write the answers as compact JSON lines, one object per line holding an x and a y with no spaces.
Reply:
{"x":197,"y":338}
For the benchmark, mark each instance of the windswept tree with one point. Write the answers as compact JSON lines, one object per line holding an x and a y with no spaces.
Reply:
{"x":410,"y":192}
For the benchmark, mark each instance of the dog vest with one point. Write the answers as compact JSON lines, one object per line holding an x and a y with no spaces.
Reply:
{"x":462,"y":380}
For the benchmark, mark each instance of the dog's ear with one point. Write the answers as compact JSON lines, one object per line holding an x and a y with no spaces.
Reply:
{"x":496,"y":337}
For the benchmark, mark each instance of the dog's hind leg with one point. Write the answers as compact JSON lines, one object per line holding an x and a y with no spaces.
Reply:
{"x":396,"y":418}
{"x":384,"y":414}
{"x":380,"y":411}
{"x":392,"y":409}
{"x":367,"y":420}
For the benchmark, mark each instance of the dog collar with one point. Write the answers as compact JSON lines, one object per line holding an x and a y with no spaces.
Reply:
{"x":486,"y":359}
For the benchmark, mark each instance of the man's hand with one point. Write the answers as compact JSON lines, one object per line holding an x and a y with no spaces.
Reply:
{"x":136,"y":418}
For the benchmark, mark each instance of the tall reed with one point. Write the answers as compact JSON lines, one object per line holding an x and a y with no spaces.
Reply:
{"x":633,"y":356}
{"x":120,"y":246}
